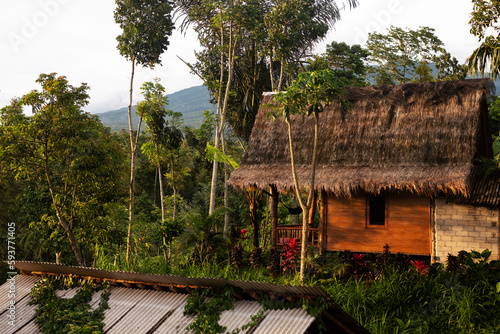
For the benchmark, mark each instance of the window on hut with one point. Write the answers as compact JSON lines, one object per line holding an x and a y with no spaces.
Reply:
{"x":376,"y":210}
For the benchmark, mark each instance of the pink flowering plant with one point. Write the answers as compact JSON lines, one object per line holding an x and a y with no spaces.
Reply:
{"x":358,"y":257}
{"x":420,"y":266}
{"x":289,"y":255}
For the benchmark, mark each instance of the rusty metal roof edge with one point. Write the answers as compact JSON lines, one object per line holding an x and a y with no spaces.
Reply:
{"x":172,"y":280}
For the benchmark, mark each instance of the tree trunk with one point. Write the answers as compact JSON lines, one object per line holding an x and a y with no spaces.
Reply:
{"x":213,"y":184}
{"x":72,"y":240}
{"x":215,"y":166}
{"x":160,"y":183}
{"x":225,"y":231}
{"x":220,"y":128}
{"x":282,"y":70}
{"x":305,"y":206}
{"x":67,"y":229}
{"x":132,"y":167}
{"x":174,"y":210}
{"x":271,"y":73}
{"x":252,"y":195}
{"x":304,"y":243}
{"x":133,"y":151}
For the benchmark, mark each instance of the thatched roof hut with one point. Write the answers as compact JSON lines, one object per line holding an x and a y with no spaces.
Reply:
{"x":421,"y":137}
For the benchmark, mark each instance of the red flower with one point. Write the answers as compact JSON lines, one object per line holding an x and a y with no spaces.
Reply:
{"x":243,"y":232}
{"x":358,"y":257}
{"x":420,"y":266}
{"x":289,"y":255}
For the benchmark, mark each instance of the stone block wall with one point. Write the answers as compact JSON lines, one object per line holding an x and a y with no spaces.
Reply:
{"x":464,"y":227}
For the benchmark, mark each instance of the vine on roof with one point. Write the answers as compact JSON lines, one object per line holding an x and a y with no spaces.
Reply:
{"x":208,"y":304}
{"x":69,"y":315}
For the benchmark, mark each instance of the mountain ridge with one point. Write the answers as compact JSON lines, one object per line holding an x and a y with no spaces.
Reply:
{"x":191,"y":102}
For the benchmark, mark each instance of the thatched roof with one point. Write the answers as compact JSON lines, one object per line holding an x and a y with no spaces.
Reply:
{"x":419,"y":137}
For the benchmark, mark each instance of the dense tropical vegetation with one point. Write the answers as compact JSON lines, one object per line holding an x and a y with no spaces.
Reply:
{"x":150,"y":200}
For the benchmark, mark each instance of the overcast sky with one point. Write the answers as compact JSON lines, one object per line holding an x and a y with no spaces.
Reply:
{"x":77,"y":38}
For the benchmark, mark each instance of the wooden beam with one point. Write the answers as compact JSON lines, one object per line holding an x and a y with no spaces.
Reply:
{"x":254,"y":295}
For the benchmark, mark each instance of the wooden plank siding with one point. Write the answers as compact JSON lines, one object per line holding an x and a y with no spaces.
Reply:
{"x":407,"y":228}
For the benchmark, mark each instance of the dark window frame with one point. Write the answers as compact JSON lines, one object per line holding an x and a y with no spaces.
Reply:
{"x":376,"y":209}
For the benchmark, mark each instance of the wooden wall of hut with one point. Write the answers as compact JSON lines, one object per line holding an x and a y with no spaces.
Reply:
{"x":406,"y":230}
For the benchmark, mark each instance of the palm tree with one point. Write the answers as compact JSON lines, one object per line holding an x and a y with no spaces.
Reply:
{"x":484,"y":18}
{"x":487,"y":53}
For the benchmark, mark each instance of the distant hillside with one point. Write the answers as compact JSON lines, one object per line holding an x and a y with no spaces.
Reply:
{"x":191,"y":102}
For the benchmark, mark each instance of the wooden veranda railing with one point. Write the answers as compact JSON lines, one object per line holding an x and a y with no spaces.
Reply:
{"x":287,"y":232}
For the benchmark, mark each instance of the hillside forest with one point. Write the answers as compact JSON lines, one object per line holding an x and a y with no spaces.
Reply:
{"x":154,"y":197}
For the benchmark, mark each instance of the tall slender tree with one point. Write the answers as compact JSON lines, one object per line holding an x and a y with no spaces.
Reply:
{"x":146,"y":27}
{"x":220,"y":26}
{"x":237,"y":36}
{"x":153,"y":109}
{"x":484,"y":25}
{"x":307,"y":95}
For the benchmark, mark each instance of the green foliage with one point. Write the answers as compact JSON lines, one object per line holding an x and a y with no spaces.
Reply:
{"x":202,"y":227}
{"x":207,"y":305}
{"x":349,"y":61}
{"x":269,"y":39}
{"x":483,"y":21}
{"x":74,"y":315}
{"x":403,"y":56}
{"x":461,"y":299}
{"x":146,"y":27}
{"x":65,"y":154}
{"x":214,"y":153}
{"x":172,"y":228}
{"x":494,"y":115}
{"x":310,"y":91}
{"x":496,"y":148}
{"x":494,"y":123}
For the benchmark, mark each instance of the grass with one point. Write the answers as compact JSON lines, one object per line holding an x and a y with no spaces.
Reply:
{"x":384,"y":293}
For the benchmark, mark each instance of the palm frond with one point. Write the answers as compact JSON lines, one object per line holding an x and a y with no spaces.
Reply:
{"x":487,"y":53}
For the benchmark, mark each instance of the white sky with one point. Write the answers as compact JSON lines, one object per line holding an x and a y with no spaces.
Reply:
{"x":77,"y":38}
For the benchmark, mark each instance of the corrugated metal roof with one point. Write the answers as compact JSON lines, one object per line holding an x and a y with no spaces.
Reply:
{"x":241,"y":315}
{"x":141,"y":311}
{"x":176,"y":322}
{"x":484,"y":191}
{"x":29,"y":328}
{"x":168,"y":280}
{"x":24,"y":313}
{"x":294,"y":321}
{"x":151,"y":311}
